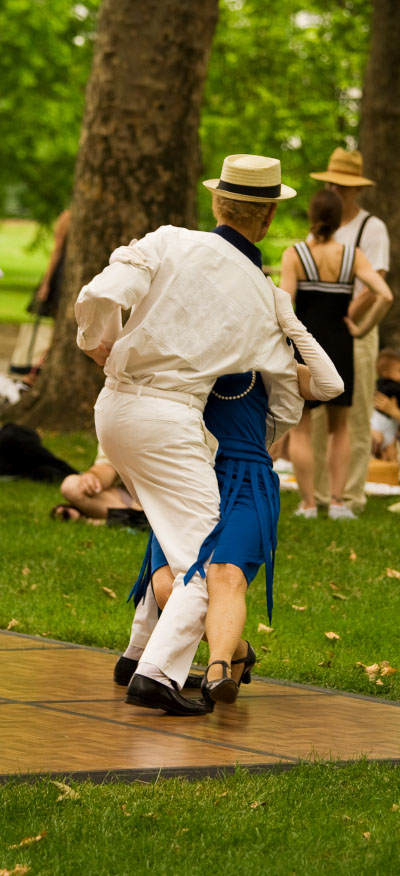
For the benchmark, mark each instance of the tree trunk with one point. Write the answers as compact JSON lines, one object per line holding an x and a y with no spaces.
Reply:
{"x":380,"y":138}
{"x":138,"y":166}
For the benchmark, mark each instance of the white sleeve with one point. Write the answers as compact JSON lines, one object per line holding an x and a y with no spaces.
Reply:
{"x":122,"y":284}
{"x":280,"y":379}
{"x":375,"y":244}
{"x":325,"y":382}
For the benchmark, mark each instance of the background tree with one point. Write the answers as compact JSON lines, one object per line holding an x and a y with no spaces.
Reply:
{"x":45,"y":59}
{"x":380,"y":138}
{"x":138,"y":167}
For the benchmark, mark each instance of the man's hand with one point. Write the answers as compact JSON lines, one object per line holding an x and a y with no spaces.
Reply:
{"x":100,"y":354}
{"x":387,"y":405}
{"x":91,"y":484}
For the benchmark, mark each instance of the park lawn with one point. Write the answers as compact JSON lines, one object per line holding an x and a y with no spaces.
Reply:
{"x":314,"y":820}
{"x":53,"y":574}
{"x":22,"y":264}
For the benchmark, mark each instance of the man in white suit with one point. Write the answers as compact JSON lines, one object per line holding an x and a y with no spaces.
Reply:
{"x":199,"y":309}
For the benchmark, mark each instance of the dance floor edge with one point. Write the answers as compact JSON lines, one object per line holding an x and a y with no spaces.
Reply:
{"x":62,"y":715}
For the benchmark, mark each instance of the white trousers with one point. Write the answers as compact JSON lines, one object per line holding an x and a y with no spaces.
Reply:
{"x":162,"y":450}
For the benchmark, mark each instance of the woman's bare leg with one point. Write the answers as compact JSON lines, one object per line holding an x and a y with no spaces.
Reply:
{"x":162,"y":580}
{"x":338,"y":451}
{"x":302,"y":457}
{"x":226,"y":616}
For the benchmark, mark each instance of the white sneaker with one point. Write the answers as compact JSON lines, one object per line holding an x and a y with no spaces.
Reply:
{"x":307,"y":513}
{"x":341,"y":512}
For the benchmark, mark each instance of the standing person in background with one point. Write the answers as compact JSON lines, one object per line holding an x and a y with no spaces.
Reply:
{"x":358,"y":228}
{"x":320,"y":276}
{"x":49,"y":290}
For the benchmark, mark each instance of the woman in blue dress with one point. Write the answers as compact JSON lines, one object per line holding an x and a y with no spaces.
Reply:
{"x":245,"y":536}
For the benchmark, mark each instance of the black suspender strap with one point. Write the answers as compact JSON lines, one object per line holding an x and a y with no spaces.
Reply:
{"x":361,"y":229}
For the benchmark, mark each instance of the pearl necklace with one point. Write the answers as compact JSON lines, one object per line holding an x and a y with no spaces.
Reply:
{"x":241,"y":395}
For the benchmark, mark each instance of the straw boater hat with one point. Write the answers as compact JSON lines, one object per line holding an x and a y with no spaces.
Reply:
{"x":344,"y":169}
{"x":250,"y":178}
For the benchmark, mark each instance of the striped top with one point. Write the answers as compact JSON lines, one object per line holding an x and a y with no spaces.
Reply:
{"x":343,"y":285}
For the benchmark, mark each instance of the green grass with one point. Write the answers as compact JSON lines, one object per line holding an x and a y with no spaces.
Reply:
{"x":315,"y":820}
{"x":23,"y":266}
{"x":61,"y":595}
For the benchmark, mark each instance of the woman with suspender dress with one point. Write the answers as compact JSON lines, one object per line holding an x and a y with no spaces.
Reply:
{"x":319,"y":274}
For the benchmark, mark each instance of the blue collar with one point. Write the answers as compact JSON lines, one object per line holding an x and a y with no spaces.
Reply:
{"x":236,"y":239}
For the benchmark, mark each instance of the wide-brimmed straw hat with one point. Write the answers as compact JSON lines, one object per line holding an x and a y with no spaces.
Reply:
{"x":344,"y":169}
{"x":250,"y":178}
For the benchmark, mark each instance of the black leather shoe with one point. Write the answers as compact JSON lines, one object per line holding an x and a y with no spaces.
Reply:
{"x":193,"y":682}
{"x":124,"y":669}
{"x":151,"y":694}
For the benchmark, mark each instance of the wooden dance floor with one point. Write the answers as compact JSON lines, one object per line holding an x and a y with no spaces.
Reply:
{"x":62,"y":714}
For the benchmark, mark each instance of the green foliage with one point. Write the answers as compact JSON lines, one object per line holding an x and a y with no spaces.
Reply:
{"x":283,"y":80}
{"x":44,"y":66}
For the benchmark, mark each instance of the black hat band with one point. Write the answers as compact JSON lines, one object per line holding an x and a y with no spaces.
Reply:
{"x":256,"y":191}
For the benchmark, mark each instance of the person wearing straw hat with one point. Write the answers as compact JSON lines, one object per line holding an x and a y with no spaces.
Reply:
{"x":345,"y":176}
{"x":200,"y":308}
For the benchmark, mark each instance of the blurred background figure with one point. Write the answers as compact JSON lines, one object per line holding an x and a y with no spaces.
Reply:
{"x":344,"y":175}
{"x":99,"y":494}
{"x":385,"y":420}
{"x":320,"y":276}
{"x":47,"y":297}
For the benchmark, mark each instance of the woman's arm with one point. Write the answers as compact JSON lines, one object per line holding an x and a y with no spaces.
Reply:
{"x":289,"y":277}
{"x":379,"y":294}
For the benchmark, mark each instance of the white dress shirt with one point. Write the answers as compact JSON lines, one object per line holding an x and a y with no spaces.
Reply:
{"x":199,"y":309}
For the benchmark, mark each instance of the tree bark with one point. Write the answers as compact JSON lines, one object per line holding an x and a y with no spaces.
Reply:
{"x":137,"y":169}
{"x":380,"y":138}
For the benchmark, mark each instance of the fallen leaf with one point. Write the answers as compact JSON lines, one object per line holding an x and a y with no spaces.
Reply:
{"x":338,"y":595}
{"x":150,"y":815}
{"x":13,"y":623}
{"x":264,"y":629}
{"x":256,"y":804}
{"x":25,"y":571}
{"x":379,"y":681}
{"x":183,"y":830}
{"x":395,"y":807}
{"x":333,"y":586}
{"x":109,"y":592}
{"x":332,"y":636}
{"x":267,"y":650}
{"x":224,"y":794}
{"x":123,"y":807}
{"x":389,"y":670}
{"x":33,"y":586}
{"x":66,"y":791}
{"x":366,"y":835}
{"x":352,"y":555}
{"x":28,"y":840}
{"x":299,"y":607}
{"x":18,"y":870}
{"x":392,"y":573}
